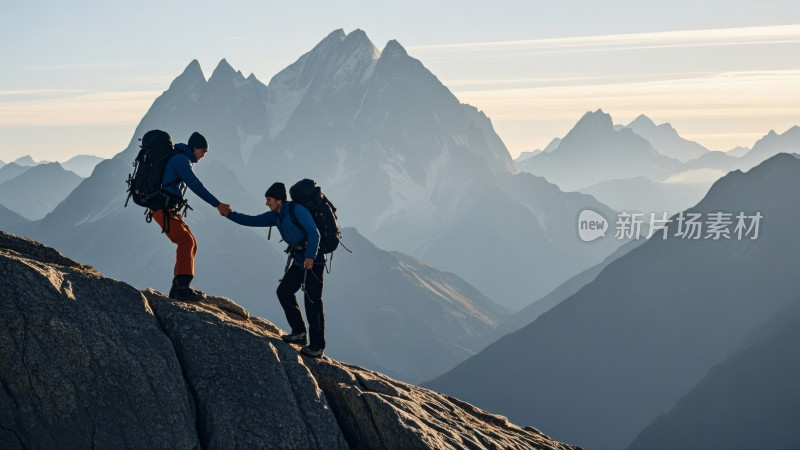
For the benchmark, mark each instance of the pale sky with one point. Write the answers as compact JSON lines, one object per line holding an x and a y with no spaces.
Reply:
{"x":78,"y":76}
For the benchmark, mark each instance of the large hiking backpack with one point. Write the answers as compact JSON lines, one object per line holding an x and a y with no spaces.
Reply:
{"x":144,"y":184}
{"x":307,"y":193}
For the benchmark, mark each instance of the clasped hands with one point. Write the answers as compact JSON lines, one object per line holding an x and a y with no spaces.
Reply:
{"x":224,"y":209}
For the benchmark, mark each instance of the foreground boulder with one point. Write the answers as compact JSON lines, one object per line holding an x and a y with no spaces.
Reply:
{"x":83,"y":362}
{"x":86,"y":361}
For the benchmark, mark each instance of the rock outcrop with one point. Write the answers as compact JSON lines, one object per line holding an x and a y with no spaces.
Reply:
{"x":87,"y":361}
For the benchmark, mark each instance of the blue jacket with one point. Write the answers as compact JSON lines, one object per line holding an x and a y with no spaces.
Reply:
{"x":290,"y":233}
{"x":178,"y":173}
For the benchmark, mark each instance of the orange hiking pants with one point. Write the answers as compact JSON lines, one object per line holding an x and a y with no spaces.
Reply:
{"x":180,"y":234}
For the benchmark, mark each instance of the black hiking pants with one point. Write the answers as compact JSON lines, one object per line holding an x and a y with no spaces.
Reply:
{"x":290,"y":284}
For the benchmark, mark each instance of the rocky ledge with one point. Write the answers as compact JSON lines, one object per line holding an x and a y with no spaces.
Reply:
{"x":91,"y":362}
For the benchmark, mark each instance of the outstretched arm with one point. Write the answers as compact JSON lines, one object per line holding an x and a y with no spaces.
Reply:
{"x":262,"y":220}
{"x":187,"y":175}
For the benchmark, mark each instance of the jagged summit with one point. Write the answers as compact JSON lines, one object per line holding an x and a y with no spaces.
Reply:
{"x":192,"y":72}
{"x":224,"y":69}
{"x":189,"y":80}
{"x":110,"y":363}
{"x":665,"y":139}
{"x":773,"y":143}
{"x":593,"y":122}
{"x":393,"y":49}
{"x":645,"y":124}
{"x":225,"y":74}
{"x":358,"y":35}
{"x":337,"y":34}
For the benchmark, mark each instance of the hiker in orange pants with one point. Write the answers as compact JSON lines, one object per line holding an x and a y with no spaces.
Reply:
{"x":180,"y":234}
{"x":178,"y":174}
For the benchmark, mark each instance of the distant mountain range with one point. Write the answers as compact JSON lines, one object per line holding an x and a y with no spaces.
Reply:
{"x":37,"y":193}
{"x":602,"y":365}
{"x":594,"y":151}
{"x":629,"y":176}
{"x":11,"y":171}
{"x":665,"y":139}
{"x":27,"y":161}
{"x":772,"y":144}
{"x":83,"y":165}
{"x":550,"y":147}
{"x":37,"y":190}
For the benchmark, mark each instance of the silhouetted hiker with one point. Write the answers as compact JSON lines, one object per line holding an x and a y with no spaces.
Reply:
{"x":178,"y":174}
{"x":305,"y":267}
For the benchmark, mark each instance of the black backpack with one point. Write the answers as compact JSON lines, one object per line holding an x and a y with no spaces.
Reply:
{"x":307,"y":193}
{"x":144,"y":184}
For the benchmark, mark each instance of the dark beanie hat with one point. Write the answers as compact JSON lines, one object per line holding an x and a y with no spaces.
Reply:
{"x":276,"y":191}
{"x":197,"y":141}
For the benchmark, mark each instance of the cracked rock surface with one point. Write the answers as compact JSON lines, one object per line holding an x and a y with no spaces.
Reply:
{"x":87,"y":361}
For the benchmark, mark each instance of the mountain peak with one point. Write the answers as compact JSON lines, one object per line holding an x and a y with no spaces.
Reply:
{"x":594,"y":121}
{"x":337,"y":35}
{"x":193,"y":68}
{"x":357,"y":44}
{"x":642,"y":120}
{"x":393,"y":49}
{"x":224,"y":71}
{"x":25,"y":161}
{"x":191,"y":76}
{"x":357,"y":35}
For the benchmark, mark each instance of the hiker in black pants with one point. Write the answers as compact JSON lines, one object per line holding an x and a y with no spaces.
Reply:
{"x":305,"y":267}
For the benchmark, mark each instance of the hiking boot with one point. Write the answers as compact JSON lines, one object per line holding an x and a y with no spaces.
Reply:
{"x":172,"y":289}
{"x":182,"y":289}
{"x":188,"y":294}
{"x":312,"y":352}
{"x":295,"y":338}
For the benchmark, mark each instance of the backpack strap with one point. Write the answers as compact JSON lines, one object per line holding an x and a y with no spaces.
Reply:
{"x":297,"y":222}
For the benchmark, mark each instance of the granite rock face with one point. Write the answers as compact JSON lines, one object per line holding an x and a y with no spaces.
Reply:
{"x":83,"y":362}
{"x":87,"y":361}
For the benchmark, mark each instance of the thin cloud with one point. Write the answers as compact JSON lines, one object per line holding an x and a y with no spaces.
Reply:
{"x":40,"y":92}
{"x":102,"y":108}
{"x":738,"y":106}
{"x":696,"y":176}
{"x":778,"y":34}
{"x":84,"y":66}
